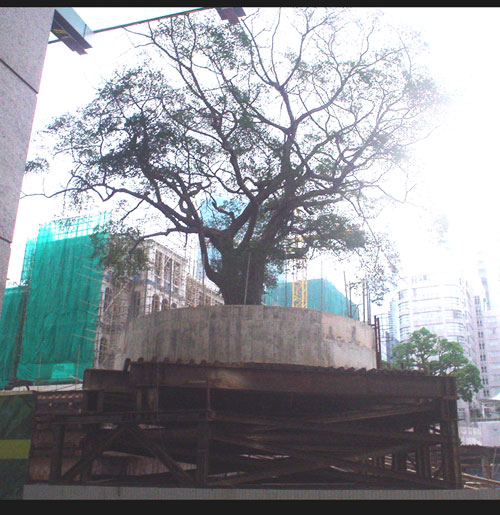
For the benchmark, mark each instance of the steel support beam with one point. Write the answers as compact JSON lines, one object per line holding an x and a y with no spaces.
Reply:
{"x":452,"y":471}
{"x":57,"y":450}
{"x":274,"y":378}
{"x":259,"y":423}
{"x":326,"y":462}
{"x":97,"y":450}
{"x":301,"y":380}
{"x":203,"y":454}
{"x":156,"y":450}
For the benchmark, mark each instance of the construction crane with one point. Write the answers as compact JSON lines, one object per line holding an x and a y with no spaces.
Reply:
{"x":299,"y":278}
{"x":299,"y":283}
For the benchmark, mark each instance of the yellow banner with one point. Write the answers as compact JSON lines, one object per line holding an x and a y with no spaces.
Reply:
{"x":14,"y":449}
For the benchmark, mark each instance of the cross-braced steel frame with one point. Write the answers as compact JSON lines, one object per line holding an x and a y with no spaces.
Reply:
{"x":254,"y":425}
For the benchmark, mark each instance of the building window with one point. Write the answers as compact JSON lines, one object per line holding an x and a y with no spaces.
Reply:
{"x":155,"y":306}
{"x":158,"y":265}
{"x":404,"y":319}
{"x":176,"y":280}
{"x":136,"y":303}
{"x":102,"y":350}
{"x":107,"y":299}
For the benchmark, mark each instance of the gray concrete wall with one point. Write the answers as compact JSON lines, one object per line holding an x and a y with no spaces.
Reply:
{"x":24,"y":33}
{"x":256,"y":334}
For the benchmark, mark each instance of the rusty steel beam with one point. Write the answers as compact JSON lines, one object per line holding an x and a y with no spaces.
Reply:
{"x":452,"y":469}
{"x":306,"y":380}
{"x":270,"y":471}
{"x":326,"y":462}
{"x":57,"y":450}
{"x":266,"y":378}
{"x":240,"y":418}
{"x":369,"y":433}
{"x":203,"y":454}
{"x":367,"y":414}
{"x":82,"y":464}
{"x":156,"y":450}
{"x":328,"y":419}
{"x":380,"y":453}
{"x":422,"y":455}
{"x":119,"y":417}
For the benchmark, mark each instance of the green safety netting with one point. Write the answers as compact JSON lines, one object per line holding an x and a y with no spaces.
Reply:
{"x":63,"y":282}
{"x":321,"y":295}
{"x":11,"y":327}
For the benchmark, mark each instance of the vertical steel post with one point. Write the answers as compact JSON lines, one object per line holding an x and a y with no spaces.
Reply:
{"x":57,"y":451}
{"x":452,"y":471}
{"x":399,"y":462}
{"x":87,"y":448}
{"x":486,"y":467}
{"x":422,"y":455}
{"x":378,"y":342}
{"x":203,"y":454}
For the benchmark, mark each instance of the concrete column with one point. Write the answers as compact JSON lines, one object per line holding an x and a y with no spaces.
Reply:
{"x":24,"y":33}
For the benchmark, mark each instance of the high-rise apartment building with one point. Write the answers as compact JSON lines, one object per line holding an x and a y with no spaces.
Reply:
{"x":443,"y":302}
{"x":389,"y":330}
{"x":489,"y":353}
{"x":453,"y":304}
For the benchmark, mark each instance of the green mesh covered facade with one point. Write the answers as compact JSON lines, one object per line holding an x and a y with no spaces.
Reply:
{"x":11,"y":327}
{"x":62,"y":280}
{"x":321,"y":295}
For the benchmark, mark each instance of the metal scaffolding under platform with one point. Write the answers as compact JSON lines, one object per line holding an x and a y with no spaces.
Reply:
{"x":214,"y":425}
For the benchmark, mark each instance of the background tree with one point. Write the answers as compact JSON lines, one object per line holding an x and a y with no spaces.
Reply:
{"x":120,"y":249}
{"x":429,"y":353}
{"x":268,"y":140}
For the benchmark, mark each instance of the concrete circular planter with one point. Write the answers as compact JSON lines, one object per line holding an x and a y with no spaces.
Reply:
{"x":252,"y":334}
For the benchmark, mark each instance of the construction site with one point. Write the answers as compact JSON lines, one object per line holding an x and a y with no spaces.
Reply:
{"x":154,"y":382}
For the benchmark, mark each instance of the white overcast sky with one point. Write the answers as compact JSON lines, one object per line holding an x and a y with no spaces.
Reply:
{"x":458,"y":162}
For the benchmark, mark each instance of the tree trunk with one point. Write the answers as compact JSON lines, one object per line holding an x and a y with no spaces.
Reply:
{"x":242,"y":278}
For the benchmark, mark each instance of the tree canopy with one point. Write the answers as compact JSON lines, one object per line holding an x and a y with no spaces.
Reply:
{"x":268,"y":140}
{"x":120,"y":249}
{"x":429,"y":353}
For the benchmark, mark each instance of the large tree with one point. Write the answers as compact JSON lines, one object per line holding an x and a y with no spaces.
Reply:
{"x":267,"y":140}
{"x":430,"y":353}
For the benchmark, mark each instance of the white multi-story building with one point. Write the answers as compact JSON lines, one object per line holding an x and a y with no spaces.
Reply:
{"x":488,"y":321}
{"x":169,"y":282}
{"x":389,"y":330}
{"x":444,"y":303}
{"x":455,"y":305}
{"x":489,"y":353}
